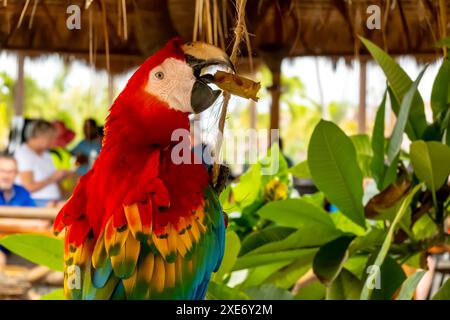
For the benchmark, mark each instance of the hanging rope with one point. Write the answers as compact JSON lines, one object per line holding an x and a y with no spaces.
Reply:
{"x":239,"y":31}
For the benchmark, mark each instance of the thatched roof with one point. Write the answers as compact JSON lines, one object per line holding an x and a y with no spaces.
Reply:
{"x":292,"y":27}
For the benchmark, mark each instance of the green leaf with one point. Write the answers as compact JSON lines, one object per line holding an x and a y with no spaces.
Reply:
{"x":39,"y":249}
{"x":390,"y":174}
{"x":258,"y":275}
{"x":444,"y":292}
{"x":330,"y":259}
{"x":261,"y":237}
{"x":391,"y":276}
{"x":364,"y":153}
{"x":302,"y":238}
{"x":431,"y":162}
{"x":247,"y":190}
{"x":424,"y":228}
{"x":232,"y":248}
{"x":400,"y":83}
{"x":255,"y":260}
{"x":57,"y":294}
{"x":296,"y":213}
{"x":440,"y":93}
{"x":301,"y":170}
{"x":220,"y":291}
{"x":345,"y":287}
{"x":268,"y":292}
{"x":367,"y":289}
{"x":313,"y":291}
{"x":378,"y":167}
{"x":356,"y":264}
{"x":410,"y":285}
{"x":372,"y":239}
{"x":314,"y":225}
{"x":346,"y":225}
{"x":287,"y":276}
{"x":405,"y":107}
{"x":334,"y":169}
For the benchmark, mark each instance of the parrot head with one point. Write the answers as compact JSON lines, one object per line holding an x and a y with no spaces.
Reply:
{"x":167,"y":87}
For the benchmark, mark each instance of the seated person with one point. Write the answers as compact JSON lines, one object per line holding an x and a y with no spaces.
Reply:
{"x":86,"y":152}
{"x":37,"y":172}
{"x":10,"y":193}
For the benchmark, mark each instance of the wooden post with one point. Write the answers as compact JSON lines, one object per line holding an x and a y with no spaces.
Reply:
{"x":362,"y":96}
{"x":275,"y":92}
{"x":19,"y":87}
{"x":273,"y":57}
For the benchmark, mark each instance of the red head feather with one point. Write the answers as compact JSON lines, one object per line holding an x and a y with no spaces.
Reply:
{"x":139,"y":117}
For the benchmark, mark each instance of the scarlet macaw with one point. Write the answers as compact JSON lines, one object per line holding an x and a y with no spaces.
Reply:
{"x":139,"y":226}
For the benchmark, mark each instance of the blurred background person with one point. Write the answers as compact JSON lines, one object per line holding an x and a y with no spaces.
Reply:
{"x":62,"y":158}
{"x":11,"y":194}
{"x":86,"y":152}
{"x":37,"y":173}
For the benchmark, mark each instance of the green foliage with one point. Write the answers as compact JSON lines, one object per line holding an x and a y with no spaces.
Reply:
{"x":440,"y":94}
{"x":330,"y":259}
{"x":232,"y":247}
{"x":367,"y":290}
{"x":400,"y":84}
{"x":57,"y":294}
{"x":402,"y":118}
{"x":431,"y":162}
{"x":44,"y":250}
{"x":335,"y":171}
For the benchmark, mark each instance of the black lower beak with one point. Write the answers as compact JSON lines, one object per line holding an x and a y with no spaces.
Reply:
{"x":202,"y":96}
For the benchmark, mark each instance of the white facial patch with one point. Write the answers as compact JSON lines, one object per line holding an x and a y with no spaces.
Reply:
{"x":172,"y":82}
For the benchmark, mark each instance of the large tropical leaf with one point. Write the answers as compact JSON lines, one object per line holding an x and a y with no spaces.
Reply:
{"x":400,"y":83}
{"x":440,"y":95}
{"x":431,"y":162}
{"x":334,"y":169}
{"x":262,"y":237}
{"x":40,"y":249}
{"x":377,"y":166}
{"x":397,"y":134}
{"x":255,"y":260}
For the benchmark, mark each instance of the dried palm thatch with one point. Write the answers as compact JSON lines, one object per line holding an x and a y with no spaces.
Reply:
{"x":131,"y":30}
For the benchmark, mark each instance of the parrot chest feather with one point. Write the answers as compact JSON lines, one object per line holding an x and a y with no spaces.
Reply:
{"x":152,"y":231}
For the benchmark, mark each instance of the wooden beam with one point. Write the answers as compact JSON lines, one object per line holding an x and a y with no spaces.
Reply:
{"x":28,"y":212}
{"x":362,"y":96}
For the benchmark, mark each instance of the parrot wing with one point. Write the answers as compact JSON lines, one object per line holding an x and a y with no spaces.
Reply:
{"x":163,"y":242}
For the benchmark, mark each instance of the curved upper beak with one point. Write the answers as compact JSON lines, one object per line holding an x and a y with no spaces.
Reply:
{"x":200,"y":55}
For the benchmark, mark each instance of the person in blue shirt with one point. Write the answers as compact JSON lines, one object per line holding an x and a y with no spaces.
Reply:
{"x":10,"y":193}
{"x":87,"y":150}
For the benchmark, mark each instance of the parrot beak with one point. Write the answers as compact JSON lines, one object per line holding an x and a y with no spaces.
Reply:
{"x":200,"y":55}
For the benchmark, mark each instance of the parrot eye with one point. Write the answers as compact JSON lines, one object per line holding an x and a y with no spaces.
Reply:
{"x":159,"y":75}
